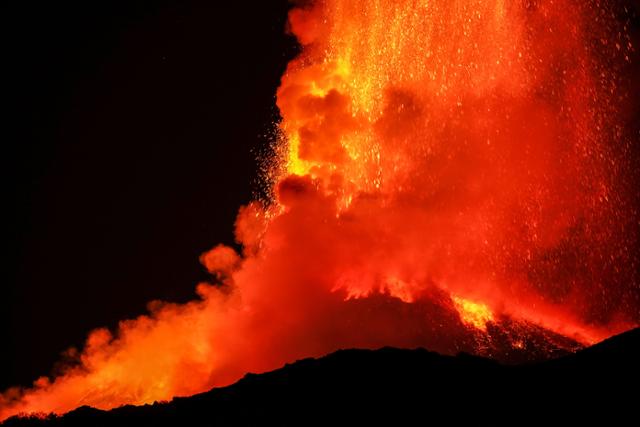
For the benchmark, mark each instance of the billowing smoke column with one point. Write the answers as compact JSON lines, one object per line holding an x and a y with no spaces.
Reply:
{"x":450,"y":174}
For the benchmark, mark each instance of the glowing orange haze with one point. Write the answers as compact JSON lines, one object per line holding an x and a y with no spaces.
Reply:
{"x":450,"y":174}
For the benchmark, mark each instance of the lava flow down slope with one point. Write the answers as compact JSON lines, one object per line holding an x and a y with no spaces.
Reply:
{"x":455,"y":175}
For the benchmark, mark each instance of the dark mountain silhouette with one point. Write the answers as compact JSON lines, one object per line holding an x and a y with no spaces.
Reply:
{"x":408,"y":387}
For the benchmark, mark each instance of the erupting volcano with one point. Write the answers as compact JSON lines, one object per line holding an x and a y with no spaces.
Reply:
{"x":448,"y":174}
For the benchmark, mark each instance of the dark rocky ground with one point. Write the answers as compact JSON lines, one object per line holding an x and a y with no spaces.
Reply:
{"x":405,"y":387}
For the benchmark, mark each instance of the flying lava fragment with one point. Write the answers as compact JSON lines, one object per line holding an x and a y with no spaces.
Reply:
{"x":453,"y":174}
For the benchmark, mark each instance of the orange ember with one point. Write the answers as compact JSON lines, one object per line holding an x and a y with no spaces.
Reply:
{"x":428,"y":150}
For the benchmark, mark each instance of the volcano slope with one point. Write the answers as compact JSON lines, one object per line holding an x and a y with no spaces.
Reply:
{"x":401,"y":386}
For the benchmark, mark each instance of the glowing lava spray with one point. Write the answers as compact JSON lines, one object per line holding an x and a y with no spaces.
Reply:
{"x":451,"y":174}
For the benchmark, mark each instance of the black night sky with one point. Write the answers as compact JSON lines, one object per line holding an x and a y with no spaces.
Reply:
{"x":131,"y":132}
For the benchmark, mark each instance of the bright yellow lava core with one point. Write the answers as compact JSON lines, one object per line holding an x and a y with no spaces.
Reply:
{"x":473,"y":313}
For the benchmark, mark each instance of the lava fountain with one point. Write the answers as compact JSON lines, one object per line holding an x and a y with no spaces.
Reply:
{"x":449,"y":174}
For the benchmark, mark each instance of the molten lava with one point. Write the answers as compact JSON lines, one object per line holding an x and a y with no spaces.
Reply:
{"x":473,"y":313}
{"x":451,"y":174}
